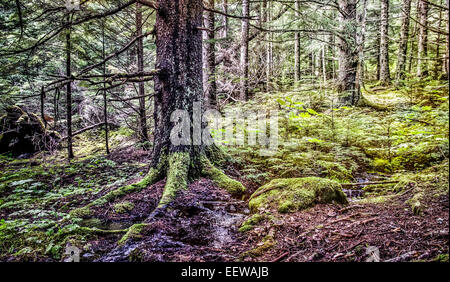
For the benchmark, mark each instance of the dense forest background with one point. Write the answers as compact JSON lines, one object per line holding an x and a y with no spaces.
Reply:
{"x":362,"y":92}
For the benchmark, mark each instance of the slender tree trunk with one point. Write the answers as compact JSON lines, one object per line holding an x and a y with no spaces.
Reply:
{"x":225,"y":19}
{"x":69,"y":92}
{"x":324,"y":63}
{"x":105,"y":101}
{"x":361,"y":40}
{"x":269,"y":46}
{"x":297,"y":51}
{"x":209,"y":80}
{"x":384,"y":43}
{"x":42,"y":107}
{"x":348,"y":54}
{"x":446,"y":55}
{"x":143,"y":132}
{"x":403,"y":44}
{"x":422,"y":64}
{"x":244,"y":50}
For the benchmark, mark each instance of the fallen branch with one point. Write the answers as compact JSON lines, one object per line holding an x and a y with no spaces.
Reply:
{"x":85,"y":129}
{"x":280,"y":257}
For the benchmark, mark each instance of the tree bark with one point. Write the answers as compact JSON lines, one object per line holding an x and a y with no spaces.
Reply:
{"x":143,"y":131}
{"x":69,"y":92}
{"x":244,"y":50}
{"x":225,"y":19}
{"x":348,"y":54}
{"x":384,"y":43}
{"x":209,"y":80}
{"x":105,"y":101}
{"x":403,"y":44}
{"x":297,"y":51}
{"x":422,"y":64}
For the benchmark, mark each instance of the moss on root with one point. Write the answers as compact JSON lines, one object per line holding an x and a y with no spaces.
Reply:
{"x":123,"y":207}
{"x":252,"y":221}
{"x":219,"y":178}
{"x":267,"y":243}
{"x":152,"y":176}
{"x":177,"y":176}
{"x":133,"y":232}
{"x":292,"y":194}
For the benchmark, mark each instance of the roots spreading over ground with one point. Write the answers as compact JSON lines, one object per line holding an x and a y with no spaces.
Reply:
{"x":177,"y":167}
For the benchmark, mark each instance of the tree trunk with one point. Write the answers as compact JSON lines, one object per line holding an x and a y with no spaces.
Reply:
{"x":297,"y":46}
{"x":361,"y":39}
{"x":225,"y":19}
{"x":178,"y":86}
{"x":348,"y":54}
{"x":69,"y":92}
{"x":209,"y":80}
{"x":422,"y":65}
{"x":244,"y":50}
{"x":403,"y":44}
{"x":105,"y":101}
{"x":446,"y":55}
{"x":384,"y":43}
{"x":143,"y":132}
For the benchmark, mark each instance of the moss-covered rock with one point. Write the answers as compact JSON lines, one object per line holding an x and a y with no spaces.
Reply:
{"x":292,"y":194}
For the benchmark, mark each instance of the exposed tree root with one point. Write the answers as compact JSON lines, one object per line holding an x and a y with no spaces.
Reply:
{"x":178,"y":167}
{"x":221,"y":179}
{"x":154,"y":175}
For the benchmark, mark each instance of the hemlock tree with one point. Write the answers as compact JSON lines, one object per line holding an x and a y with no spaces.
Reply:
{"x":348,"y":53}
{"x":178,"y":86}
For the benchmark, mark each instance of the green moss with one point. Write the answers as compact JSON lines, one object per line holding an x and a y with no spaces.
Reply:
{"x":152,"y":176}
{"x":221,"y":179}
{"x":292,"y":194}
{"x":250,"y":223}
{"x":177,"y":176}
{"x":133,"y":232}
{"x":81,"y":212}
{"x":441,"y":258}
{"x":123,"y":207}
{"x":267,"y":243}
{"x":415,"y":203}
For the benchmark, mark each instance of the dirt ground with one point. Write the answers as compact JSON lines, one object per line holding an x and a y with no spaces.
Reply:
{"x":202,"y":225}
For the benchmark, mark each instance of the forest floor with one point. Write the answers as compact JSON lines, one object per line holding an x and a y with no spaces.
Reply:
{"x":403,"y":221}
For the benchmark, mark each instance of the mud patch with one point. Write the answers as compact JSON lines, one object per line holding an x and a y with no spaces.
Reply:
{"x":200,"y":225}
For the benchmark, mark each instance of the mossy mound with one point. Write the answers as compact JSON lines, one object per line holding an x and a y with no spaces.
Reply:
{"x":293,"y":194}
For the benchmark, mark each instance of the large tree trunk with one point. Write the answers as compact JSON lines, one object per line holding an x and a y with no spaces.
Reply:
{"x":422,"y":65}
{"x":143,"y":132}
{"x":348,"y":54}
{"x":244,"y":50}
{"x":178,"y":86}
{"x":209,"y":80}
{"x":403,"y":45}
{"x":384,"y":43}
{"x":69,"y":91}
